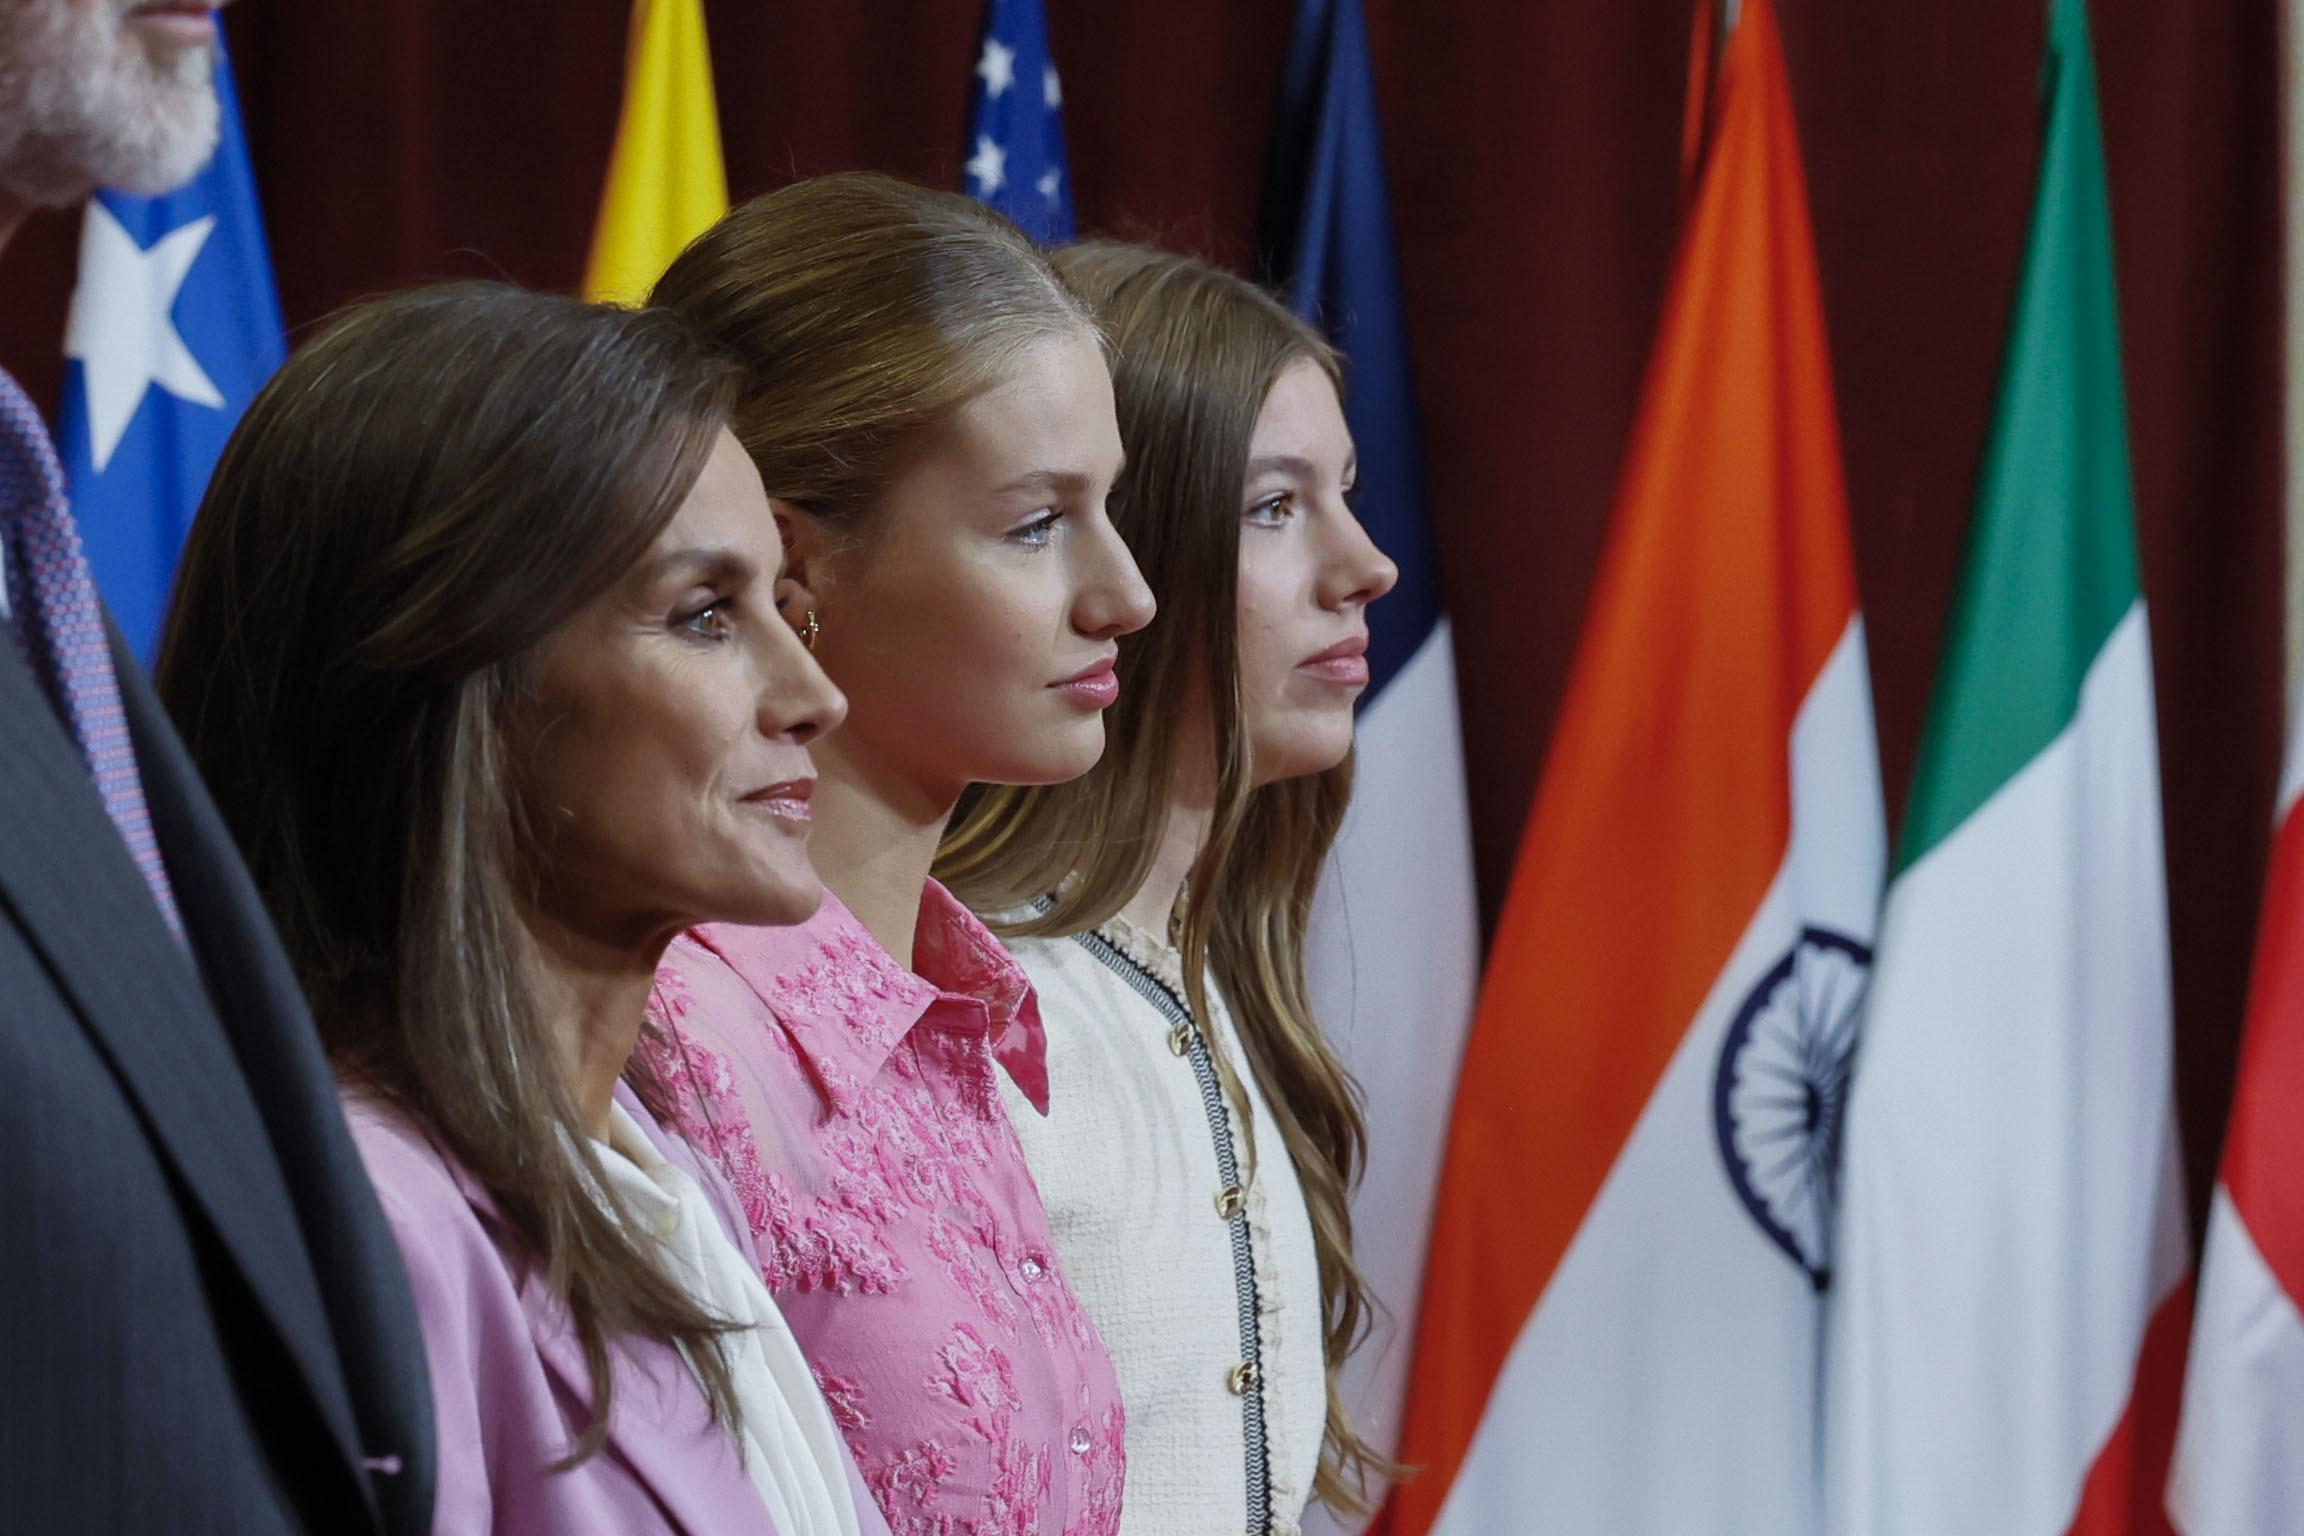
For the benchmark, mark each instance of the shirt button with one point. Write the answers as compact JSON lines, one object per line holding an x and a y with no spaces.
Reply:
{"x":1241,"y":1377}
{"x":1030,"y":1268}
{"x":1230,"y":1201}
{"x":1080,"y":1441}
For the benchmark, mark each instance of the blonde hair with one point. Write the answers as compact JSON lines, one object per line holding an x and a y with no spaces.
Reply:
{"x":1197,"y":351}
{"x":864,"y":312}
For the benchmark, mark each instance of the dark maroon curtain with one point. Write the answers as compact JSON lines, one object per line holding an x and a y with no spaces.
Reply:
{"x":1532,"y":151}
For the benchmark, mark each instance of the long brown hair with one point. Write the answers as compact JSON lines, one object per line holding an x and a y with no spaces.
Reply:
{"x":416,"y":500}
{"x":1196,"y":351}
{"x":865,"y":312}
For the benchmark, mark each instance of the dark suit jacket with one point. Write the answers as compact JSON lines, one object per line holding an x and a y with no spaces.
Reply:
{"x":204,"y":1322}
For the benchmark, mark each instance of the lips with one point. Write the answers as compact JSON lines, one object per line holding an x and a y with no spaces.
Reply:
{"x":1345,"y":662}
{"x":1094,"y":688}
{"x":786,"y":801}
{"x":187,"y":22}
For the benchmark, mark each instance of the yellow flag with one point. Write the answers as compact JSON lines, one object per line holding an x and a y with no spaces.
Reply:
{"x":666,"y":183}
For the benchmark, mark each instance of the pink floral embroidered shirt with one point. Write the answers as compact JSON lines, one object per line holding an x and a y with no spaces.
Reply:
{"x":853,"y":1105}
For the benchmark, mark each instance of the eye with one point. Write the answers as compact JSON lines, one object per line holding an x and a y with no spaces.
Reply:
{"x":1037,"y":533}
{"x":1274,"y":510}
{"x":714,"y":621}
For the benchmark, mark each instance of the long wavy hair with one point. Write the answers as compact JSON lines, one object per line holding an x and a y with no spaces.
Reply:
{"x":420,"y":497}
{"x":1196,"y":352}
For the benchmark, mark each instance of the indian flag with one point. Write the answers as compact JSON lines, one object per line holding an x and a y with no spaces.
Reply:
{"x":2008,"y":1317}
{"x":666,"y":182}
{"x":1620,"y":1332}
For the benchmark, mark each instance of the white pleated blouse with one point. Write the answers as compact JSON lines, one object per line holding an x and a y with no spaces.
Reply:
{"x":1204,"y":1281}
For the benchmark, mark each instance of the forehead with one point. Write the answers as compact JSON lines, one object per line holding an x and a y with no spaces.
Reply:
{"x":726,"y":508}
{"x":1302,"y":418}
{"x":1052,"y":411}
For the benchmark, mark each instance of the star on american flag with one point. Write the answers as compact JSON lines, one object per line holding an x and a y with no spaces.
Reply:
{"x":1016,"y":136}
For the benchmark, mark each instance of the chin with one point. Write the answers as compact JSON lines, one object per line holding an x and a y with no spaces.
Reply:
{"x":1300,"y":756}
{"x":784,"y":902}
{"x":1055,"y":756}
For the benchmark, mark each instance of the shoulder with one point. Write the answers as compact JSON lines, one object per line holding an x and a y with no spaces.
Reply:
{"x":439,"y":1215}
{"x":406,"y":1165}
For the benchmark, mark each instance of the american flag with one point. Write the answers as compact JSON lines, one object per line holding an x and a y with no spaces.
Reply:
{"x":1016,"y":134}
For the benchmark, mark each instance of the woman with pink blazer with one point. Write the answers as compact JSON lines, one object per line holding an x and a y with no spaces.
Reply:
{"x":477,"y":642}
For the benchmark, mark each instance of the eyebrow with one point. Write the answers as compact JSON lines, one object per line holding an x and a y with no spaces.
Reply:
{"x":1069,"y":482}
{"x":703,"y":563}
{"x":1298,"y":466}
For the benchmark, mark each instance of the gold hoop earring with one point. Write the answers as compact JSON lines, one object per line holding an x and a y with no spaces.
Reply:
{"x":810,"y":630}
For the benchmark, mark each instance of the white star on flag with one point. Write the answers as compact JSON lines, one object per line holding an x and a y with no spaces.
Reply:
{"x":1050,"y":183}
{"x":1051,"y":88}
{"x":122,"y":329}
{"x":997,"y":67}
{"x":988,"y":167}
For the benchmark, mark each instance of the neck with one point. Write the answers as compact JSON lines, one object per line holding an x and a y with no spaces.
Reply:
{"x":13,"y":212}
{"x":875,"y":838}
{"x":1191,"y":808}
{"x":597,"y":993}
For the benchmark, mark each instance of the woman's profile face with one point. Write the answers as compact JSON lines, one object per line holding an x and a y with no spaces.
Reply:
{"x":973,"y":629}
{"x":664,"y":752}
{"x":1308,"y":572}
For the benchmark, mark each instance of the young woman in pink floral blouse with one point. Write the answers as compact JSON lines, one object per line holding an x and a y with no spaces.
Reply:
{"x":932,"y":414}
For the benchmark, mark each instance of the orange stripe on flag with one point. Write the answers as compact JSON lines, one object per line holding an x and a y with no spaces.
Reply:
{"x":1664,"y":810}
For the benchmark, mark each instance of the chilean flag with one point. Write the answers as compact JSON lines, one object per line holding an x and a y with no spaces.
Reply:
{"x":1622,"y":1324}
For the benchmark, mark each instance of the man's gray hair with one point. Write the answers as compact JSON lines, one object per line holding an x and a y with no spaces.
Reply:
{"x":85,"y":104}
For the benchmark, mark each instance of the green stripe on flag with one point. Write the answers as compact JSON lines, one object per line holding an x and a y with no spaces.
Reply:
{"x":2051,"y":559}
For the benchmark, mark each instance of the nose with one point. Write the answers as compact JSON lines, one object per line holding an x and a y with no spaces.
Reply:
{"x":1353,"y":571}
{"x":798,"y":701}
{"x":1112,"y":598}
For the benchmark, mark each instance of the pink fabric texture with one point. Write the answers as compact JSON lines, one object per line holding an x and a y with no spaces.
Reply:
{"x":854,"y":1108}
{"x":510,"y":1389}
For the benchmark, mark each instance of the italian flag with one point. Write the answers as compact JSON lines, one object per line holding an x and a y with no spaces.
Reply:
{"x":2008,"y":1316}
{"x":1621,"y":1328}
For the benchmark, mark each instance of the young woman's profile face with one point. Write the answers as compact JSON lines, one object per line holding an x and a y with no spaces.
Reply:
{"x":1308,"y":571}
{"x":973,"y":628}
{"x":664,"y":753}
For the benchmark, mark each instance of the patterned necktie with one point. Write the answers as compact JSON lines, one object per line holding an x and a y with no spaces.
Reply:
{"x":59,"y":631}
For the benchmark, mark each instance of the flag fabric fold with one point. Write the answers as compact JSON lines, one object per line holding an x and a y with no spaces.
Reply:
{"x":1016,"y":123}
{"x":666,"y":183}
{"x":2239,"y":1460}
{"x":1621,"y":1325}
{"x":1396,"y":1011}
{"x":174,"y":326}
{"x":2007,"y":1324}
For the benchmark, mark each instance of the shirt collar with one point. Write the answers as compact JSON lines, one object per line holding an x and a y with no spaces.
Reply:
{"x":846,"y":1002}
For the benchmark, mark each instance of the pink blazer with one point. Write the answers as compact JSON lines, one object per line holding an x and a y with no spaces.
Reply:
{"x":509,"y":1386}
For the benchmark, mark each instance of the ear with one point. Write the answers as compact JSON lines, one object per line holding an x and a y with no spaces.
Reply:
{"x":807,"y":542}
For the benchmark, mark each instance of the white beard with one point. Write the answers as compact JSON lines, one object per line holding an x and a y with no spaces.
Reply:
{"x":83,"y":104}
